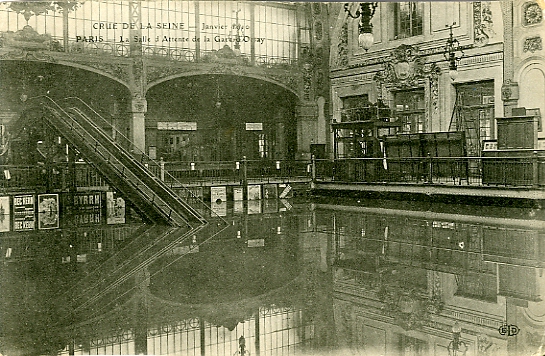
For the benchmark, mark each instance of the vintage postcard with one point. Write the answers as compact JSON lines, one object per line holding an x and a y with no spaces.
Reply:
{"x":272,"y":178}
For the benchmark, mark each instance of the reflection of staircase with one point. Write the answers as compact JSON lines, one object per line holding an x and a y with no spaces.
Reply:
{"x":109,"y":282}
{"x":151,"y":197}
{"x":470,"y":125}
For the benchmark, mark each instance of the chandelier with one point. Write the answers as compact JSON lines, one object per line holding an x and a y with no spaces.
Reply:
{"x":365,"y":28}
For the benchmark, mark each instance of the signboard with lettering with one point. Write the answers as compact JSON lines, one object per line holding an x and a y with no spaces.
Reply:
{"x":270,"y":191}
{"x":256,"y":243}
{"x":238,"y":193}
{"x":48,"y":211}
{"x":23,"y":213}
{"x":177,"y":126}
{"x":254,"y":126}
{"x":115,"y":209}
{"x":4,"y":214}
{"x":218,"y":193}
{"x":219,"y":209}
{"x":88,"y":208}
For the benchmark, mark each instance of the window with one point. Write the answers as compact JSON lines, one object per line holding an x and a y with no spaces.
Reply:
{"x":408,"y":19}
{"x":410,"y":110}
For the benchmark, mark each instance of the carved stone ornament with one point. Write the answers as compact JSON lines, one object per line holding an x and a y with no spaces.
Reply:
{"x":342,"y":47}
{"x":403,"y":68}
{"x":506,"y":93}
{"x":533,"y":13}
{"x":484,"y":345}
{"x":483,"y":24}
{"x":532,"y":44}
{"x":139,"y":105}
{"x":307,"y":81}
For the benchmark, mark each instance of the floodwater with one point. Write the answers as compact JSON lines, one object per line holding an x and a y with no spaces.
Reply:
{"x":282,"y":277}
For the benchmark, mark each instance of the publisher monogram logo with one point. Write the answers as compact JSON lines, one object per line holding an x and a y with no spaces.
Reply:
{"x":508,"y":329}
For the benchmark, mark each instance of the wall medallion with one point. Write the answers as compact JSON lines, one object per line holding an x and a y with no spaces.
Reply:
{"x":533,"y":13}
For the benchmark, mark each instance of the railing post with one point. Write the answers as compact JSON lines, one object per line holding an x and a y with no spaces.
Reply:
{"x":535,"y":170}
{"x":313,"y":168}
{"x":430,"y":169}
{"x":162,"y":169}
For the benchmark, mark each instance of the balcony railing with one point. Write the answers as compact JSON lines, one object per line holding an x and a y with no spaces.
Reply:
{"x":454,"y":171}
{"x":481,"y":171}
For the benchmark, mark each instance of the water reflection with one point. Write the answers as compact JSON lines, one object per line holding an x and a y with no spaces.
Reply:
{"x":292,"y":278}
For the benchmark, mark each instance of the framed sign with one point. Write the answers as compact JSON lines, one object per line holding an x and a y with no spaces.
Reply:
{"x":24,"y":213}
{"x":254,"y":126}
{"x":48,"y":211}
{"x":115,"y":209}
{"x":88,"y":208}
{"x":5,"y":218}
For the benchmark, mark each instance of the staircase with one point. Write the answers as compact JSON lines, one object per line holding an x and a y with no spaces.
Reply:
{"x":77,"y":123}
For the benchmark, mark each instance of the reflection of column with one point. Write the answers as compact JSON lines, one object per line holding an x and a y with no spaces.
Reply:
{"x":142,"y":281}
{"x":511,"y":318}
{"x":257,"y":332}
{"x":202,"y":339}
{"x":138,"y":123}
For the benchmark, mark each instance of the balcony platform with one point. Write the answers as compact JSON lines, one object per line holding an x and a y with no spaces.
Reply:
{"x":438,"y":191}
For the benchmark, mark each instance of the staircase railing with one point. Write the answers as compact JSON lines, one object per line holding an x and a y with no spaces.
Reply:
{"x":140,"y":193}
{"x":135,"y":167}
{"x":140,"y":158}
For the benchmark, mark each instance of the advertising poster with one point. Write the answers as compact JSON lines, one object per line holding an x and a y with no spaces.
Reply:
{"x":220,"y":209}
{"x":254,"y":207}
{"x":270,"y":191}
{"x":24,"y":213}
{"x":254,"y":192}
{"x":238,"y":207}
{"x":4,"y":214}
{"x":238,"y":193}
{"x":270,"y":206}
{"x":48,"y":211}
{"x":218,"y":194}
{"x":115,"y":209}
{"x":87,"y":208}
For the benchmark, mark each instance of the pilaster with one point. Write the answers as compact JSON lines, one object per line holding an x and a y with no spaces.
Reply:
{"x":509,"y":90}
